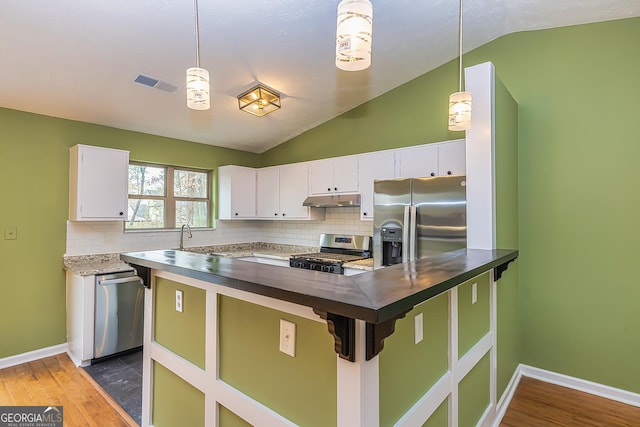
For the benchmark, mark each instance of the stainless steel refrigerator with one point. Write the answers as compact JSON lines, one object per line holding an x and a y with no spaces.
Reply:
{"x":417,"y":217}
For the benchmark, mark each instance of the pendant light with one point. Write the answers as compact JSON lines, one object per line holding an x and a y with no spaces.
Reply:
{"x":197,"y":78}
{"x":460,"y":102}
{"x":353,"y":35}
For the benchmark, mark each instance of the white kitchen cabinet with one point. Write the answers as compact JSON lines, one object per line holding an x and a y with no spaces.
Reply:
{"x":236,"y":192}
{"x":452,"y":158}
{"x":80,"y":322}
{"x":447,"y":158}
{"x":416,"y":162}
{"x":98,"y":183}
{"x":334,"y":175}
{"x":281,"y":191}
{"x":372,"y":166}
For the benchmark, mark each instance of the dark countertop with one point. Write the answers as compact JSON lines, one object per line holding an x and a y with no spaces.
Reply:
{"x":374,"y":297}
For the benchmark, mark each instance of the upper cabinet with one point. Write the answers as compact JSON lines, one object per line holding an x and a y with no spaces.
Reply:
{"x":419,"y":161}
{"x":98,"y":183}
{"x":335,"y":175}
{"x":452,"y":158}
{"x":431,"y":160}
{"x":372,"y":166}
{"x":281,"y":191}
{"x":236,"y":192}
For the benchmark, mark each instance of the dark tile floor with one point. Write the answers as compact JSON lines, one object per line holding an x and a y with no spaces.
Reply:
{"x":121,"y":377}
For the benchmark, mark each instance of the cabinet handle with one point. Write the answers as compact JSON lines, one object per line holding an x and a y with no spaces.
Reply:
{"x":364,"y":213}
{"x":121,"y":213}
{"x":329,"y":189}
{"x":335,"y":188}
{"x":448,"y":172}
{"x":433,"y":174}
{"x":236,"y":214}
{"x":276,"y":214}
{"x":283,"y":214}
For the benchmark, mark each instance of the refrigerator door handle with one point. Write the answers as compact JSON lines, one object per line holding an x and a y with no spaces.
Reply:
{"x":412,"y":235}
{"x":405,"y":234}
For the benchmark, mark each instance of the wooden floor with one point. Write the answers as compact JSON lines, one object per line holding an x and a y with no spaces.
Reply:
{"x":540,"y":404}
{"x":56,"y":381}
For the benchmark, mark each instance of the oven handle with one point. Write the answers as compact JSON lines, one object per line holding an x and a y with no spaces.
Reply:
{"x":105,"y":282}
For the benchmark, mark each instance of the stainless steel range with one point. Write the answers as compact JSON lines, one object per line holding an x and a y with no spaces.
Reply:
{"x":335,"y":250}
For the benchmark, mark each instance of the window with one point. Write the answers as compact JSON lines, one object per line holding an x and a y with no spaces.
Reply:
{"x":163,"y":197}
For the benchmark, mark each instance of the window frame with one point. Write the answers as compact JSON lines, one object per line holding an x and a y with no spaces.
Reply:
{"x":170,"y":199}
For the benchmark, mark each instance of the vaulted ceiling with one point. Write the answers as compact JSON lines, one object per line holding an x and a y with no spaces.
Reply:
{"x":78,"y":59}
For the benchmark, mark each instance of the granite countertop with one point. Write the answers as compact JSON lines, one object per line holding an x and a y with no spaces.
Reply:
{"x":86,"y":265}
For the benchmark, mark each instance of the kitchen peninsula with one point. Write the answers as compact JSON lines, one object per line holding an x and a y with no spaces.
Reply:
{"x":218,"y":347}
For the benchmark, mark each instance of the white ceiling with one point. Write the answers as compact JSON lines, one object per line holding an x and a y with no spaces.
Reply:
{"x":78,"y":59}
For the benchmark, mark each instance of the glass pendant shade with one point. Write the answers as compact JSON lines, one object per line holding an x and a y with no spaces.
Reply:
{"x":198,"y":89}
{"x":460,"y":111}
{"x":353,"y":39}
{"x":259,"y":101}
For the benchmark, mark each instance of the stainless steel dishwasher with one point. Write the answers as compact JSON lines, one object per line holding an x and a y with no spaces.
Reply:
{"x":119,"y":313}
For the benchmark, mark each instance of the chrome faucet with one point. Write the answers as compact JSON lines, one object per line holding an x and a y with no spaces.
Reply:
{"x":189,"y":235}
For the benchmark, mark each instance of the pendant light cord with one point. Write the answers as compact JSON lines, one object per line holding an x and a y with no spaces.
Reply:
{"x":460,"y":44}
{"x":197,"y":34}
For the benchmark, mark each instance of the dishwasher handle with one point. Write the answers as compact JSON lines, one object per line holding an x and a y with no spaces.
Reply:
{"x":105,"y":282}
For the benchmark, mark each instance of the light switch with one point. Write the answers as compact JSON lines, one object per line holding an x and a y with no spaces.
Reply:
{"x":288,"y":337}
{"x":419,"y":332}
{"x":474,"y":293}
{"x":10,"y":232}
{"x":179,"y":300}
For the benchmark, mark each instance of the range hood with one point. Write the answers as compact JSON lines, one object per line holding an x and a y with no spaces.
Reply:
{"x":333,"y":201}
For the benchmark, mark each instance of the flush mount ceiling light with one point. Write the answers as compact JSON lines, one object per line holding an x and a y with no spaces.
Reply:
{"x":197,"y":78}
{"x":460,"y":102}
{"x":353,"y":35}
{"x":259,"y":101}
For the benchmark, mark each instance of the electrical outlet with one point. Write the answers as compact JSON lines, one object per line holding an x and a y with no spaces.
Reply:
{"x":419,"y":332}
{"x":474,"y":293}
{"x":288,"y":337}
{"x":179,"y":301}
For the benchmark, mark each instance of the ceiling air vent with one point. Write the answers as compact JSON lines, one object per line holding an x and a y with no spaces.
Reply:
{"x":155,"y":83}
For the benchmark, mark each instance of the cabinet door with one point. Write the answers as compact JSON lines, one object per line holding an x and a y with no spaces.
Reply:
{"x":372,"y":166}
{"x":417,"y":162}
{"x":452,"y":158}
{"x":98,"y":183}
{"x":334,"y":175}
{"x":345,"y":174}
{"x":268,"y":193}
{"x":293,"y":190}
{"x":321,"y":176}
{"x":236,"y":192}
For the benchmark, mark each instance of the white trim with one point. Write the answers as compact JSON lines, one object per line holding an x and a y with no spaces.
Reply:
{"x":507,"y":396}
{"x":453,"y":356}
{"x":273,"y":303}
{"x":608,"y":392}
{"x":427,"y":405}
{"x":30,"y":356}
{"x":250,"y":410}
{"x":473,"y":356}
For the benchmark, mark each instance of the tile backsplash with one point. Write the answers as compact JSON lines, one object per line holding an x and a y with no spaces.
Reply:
{"x":86,"y":238}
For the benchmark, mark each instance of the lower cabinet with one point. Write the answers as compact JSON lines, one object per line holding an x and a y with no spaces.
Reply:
{"x":80,"y":307}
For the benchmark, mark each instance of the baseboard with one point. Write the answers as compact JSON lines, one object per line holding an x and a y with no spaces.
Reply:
{"x":32,"y":355}
{"x":619,"y":395}
{"x":507,"y":396}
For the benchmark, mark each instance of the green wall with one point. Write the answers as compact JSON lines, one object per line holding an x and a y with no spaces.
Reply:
{"x":34,"y":176}
{"x":577,"y":91}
